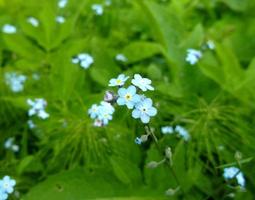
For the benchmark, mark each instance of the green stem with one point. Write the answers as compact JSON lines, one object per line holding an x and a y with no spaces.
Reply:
{"x":150,"y":132}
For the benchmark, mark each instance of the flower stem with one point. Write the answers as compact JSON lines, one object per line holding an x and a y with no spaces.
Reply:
{"x":155,"y":139}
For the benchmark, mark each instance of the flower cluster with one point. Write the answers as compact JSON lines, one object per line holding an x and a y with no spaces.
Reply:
{"x":194,"y":55}
{"x":84,"y":59}
{"x":234,"y":172}
{"x":142,"y":106}
{"x":101,"y":113}
{"x":9,"y":144}
{"x":6,"y":187}
{"x":15,"y":81}
{"x":38,"y":108}
{"x":178,"y":129}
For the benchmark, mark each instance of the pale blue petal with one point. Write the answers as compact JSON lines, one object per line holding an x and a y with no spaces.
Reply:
{"x":121,"y":101}
{"x":136,"y":98}
{"x":131,"y":89}
{"x":130,"y":105}
{"x":122,"y":92}
{"x":136,"y":114}
{"x":147,"y":102}
{"x":152,"y":111}
{"x":145,"y":118}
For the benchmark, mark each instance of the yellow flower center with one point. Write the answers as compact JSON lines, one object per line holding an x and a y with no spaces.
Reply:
{"x":128,"y":97}
{"x":118,"y":81}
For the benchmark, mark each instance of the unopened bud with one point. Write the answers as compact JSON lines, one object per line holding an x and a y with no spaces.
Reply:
{"x":109,"y":96}
{"x":152,"y":165}
{"x":171,"y":191}
{"x":144,"y":138}
{"x":238,"y":155}
{"x":98,"y":123}
{"x":168,"y":154}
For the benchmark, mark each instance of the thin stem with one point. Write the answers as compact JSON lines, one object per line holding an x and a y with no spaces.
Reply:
{"x":150,"y":132}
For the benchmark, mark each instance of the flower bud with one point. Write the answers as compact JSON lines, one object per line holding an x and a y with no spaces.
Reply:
{"x":144,"y":138}
{"x":238,"y":155}
{"x":98,"y":123}
{"x":152,"y":165}
{"x":171,"y":191}
{"x":109,"y":96}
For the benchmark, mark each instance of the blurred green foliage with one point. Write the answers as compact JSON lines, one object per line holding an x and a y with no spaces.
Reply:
{"x":66,"y":158}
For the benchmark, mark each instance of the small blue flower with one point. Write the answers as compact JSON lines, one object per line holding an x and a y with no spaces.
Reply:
{"x":138,"y":140}
{"x":93,"y":111}
{"x":182,"y":132}
{"x":232,"y":172}
{"x":167,"y":129}
{"x":128,"y":97}
{"x":60,"y":19}
{"x":9,"y":29}
{"x":210,"y":44}
{"x":119,"y":81}
{"x":121,"y":57}
{"x":7,"y":184}
{"x":144,"y":110}
{"x":38,"y":108}
{"x":84,"y":59}
{"x":62,"y":3}
{"x":15,"y":81}
{"x":33,"y":21}
{"x":143,"y":83}
{"x":98,"y":9}
{"x":193,"y":56}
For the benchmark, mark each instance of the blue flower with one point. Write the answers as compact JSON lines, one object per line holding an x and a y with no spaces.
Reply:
{"x":84,"y":59}
{"x":138,"y":140}
{"x":38,"y":108}
{"x":98,"y":9}
{"x":144,"y":110}
{"x":15,"y":81}
{"x":33,"y":21}
{"x":128,"y":97}
{"x":9,"y":29}
{"x":193,"y":56}
{"x":232,"y":172}
{"x":62,"y":3}
{"x":119,"y":81}
{"x":60,"y":19}
{"x":7,"y":185}
{"x":182,"y":132}
{"x":93,"y":111}
{"x":143,"y":83}
{"x":121,"y":57}
{"x":167,"y":130}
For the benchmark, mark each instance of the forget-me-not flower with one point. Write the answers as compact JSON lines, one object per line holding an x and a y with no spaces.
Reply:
{"x":38,"y":108}
{"x":234,"y":172}
{"x":9,"y":29}
{"x":193,"y":56}
{"x":167,"y":129}
{"x":60,"y":19}
{"x":62,"y":3}
{"x":182,"y":132}
{"x":98,"y":9}
{"x":33,"y":21}
{"x":144,"y":110}
{"x":138,"y":140}
{"x":15,"y":81}
{"x":7,"y":185}
{"x":121,"y":57}
{"x":9,"y":144}
{"x":93,"y":111}
{"x":143,"y":83}
{"x":210,"y":44}
{"x":84,"y":59}
{"x":128,"y":97}
{"x":119,"y":81}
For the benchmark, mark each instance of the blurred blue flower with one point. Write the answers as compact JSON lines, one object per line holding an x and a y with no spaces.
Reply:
{"x":60,"y":19}
{"x":138,"y":140}
{"x":9,"y":144}
{"x":234,"y":172}
{"x":143,"y":83}
{"x":182,"y":132}
{"x":119,"y":81}
{"x":7,"y":185}
{"x":33,"y":21}
{"x":210,"y":44}
{"x":38,"y":108}
{"x":93,"y":111}
{"x":84,"y":59}
{"x":128,"y":97}
{"x":9,"y":29}
{"x":193,"y":56}
{"x":98,"y":9}
{"x":121,"y":57}
{"x":144,"y":110}
{"x":15,"y":81}
{"x":167,"y":129}
{"x":62,"y":3}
